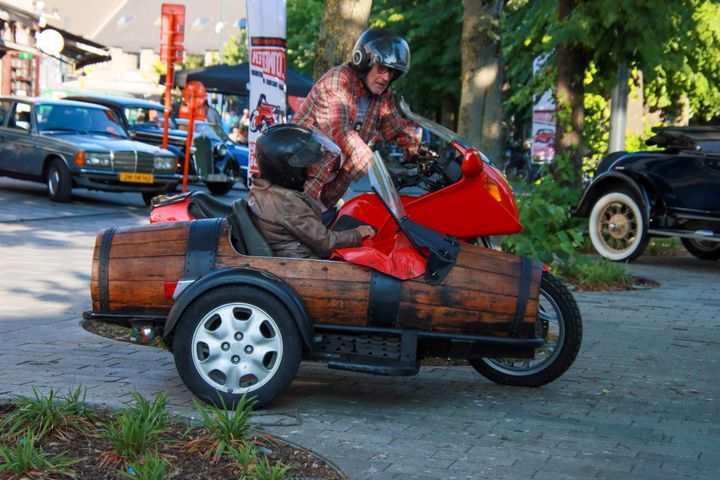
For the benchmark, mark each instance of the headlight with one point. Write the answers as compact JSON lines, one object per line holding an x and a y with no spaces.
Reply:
{"x":165,"y":163}
{"x":220,"y":150}
{"x":93,"y":159}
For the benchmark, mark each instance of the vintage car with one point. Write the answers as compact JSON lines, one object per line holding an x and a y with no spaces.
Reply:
{"x":216,"y":161}
{"x":219,"y":160}
{"x":673,"y":191}
{"x":72,"y":144}
{"x":239,"y":319}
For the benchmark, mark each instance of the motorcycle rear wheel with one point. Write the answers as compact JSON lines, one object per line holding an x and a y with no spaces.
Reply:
{"x":562,"y":329}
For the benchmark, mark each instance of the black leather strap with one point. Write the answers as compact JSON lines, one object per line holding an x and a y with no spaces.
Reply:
{"x":523,"y":292}
{"x":104,"y":269}
{"x":384,"y":300}
{"x":201,"y":247}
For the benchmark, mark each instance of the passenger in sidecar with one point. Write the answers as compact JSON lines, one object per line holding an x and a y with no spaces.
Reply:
{"x":287,"y":217}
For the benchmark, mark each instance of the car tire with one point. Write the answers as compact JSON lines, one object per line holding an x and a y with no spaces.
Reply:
{"x":59,"y":181}
{"x":236,"y":341}
{"x":617,"y":226}
{"x":219,"y":188}
{"x":702,"y":249}
{"x":562,"y":331}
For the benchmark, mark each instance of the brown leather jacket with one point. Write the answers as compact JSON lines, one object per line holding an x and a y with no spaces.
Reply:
{"x":290,"y":222}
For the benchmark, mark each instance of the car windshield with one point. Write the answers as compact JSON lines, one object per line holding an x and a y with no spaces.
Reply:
{"x":148,"y":117}
{"x":382,"y":185}
{"x":78,"y":119}
{"x":213,"y":132}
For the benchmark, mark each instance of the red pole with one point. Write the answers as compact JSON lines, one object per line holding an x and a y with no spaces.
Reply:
{"x":189,"y":142}
{"x":168,"y":87}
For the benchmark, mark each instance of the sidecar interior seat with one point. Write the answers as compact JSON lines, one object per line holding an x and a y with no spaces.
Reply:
{"x":247,"y":239}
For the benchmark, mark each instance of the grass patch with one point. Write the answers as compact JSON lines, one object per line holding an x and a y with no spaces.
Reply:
{"x":24,"y":458}
{"x":50,"y":414}
{"x":597,"y":275}
{"x":142,"y":442}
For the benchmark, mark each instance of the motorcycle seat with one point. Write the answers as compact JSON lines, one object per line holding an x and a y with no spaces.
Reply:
{"x":204,"y":205}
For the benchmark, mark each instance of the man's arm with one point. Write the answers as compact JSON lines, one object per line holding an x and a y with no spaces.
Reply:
{"x":395,"y":128}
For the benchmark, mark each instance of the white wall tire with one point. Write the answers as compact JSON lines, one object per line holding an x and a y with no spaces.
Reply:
{"x":617,"y":227}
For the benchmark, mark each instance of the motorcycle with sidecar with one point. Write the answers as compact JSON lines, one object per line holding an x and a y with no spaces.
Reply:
{"x":239,"y":320}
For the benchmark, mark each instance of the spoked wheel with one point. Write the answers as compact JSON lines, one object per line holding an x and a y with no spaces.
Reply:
{"x":235,"y":341}
{"x":562,"y":329}
{"x":702,"y":249}
{"x":617,"y":227}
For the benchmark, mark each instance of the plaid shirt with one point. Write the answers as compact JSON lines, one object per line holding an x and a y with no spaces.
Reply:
{"x":331,"y":107}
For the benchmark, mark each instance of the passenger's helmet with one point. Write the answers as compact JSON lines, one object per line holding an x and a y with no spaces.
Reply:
{"x":284,"y":151}
{"x":379,"y":46}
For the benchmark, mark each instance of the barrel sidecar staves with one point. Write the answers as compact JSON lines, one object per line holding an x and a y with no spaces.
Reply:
{"x":239,"y":324}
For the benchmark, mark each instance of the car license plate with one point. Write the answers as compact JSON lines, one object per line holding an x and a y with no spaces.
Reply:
{"x":136,"y":177}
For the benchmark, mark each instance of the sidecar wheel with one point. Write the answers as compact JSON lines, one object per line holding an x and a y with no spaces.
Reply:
{"x":562,"y":326}
{"x":234,"y":341}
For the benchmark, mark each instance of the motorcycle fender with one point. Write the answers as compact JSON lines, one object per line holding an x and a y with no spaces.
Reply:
{"x":245,"y":276}
{"x":600,"y":184}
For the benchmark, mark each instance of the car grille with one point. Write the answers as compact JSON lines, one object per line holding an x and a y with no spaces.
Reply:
{"x":126,"y":162}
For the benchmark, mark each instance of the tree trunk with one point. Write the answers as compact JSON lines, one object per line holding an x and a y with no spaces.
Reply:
{"x":481,"y":110}
{"x":343,"y":22}
{"x":571,"y":63}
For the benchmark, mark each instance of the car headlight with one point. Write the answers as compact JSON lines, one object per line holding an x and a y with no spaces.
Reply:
{"x":220,"y":150}
{"x":165,"y":163}
{"x":94,"y":159}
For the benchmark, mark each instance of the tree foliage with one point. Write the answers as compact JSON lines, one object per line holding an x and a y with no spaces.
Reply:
{"x":433,"y":29}
{"x":674,"y":43}
{"x":303,"y":26}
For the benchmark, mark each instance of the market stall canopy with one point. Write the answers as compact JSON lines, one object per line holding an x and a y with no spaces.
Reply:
{"x":80,"y":51}
{"x":233,"y":79}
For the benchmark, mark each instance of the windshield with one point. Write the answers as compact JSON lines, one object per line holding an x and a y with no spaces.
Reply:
{"x":147,"y":117}
{"x":212,"y":131}
{"x":78,"y":119}
{"x":383,"y":186}
{"x":437,"y":129}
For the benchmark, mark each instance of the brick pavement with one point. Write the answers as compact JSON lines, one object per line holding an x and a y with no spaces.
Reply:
{"x":641,"y":401}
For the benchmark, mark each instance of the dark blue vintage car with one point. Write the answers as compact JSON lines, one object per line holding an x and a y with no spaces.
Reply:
{"x":217,"y":161}
{"x":673,"y":191}
{"x":72,"y":144}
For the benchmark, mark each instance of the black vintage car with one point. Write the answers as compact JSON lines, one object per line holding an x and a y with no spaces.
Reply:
{"x":673,"y":191}
{"x":71,"y":144}
{"x":216,"y":162}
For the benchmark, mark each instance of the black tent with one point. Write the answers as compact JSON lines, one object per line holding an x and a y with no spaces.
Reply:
{"x":233,"y":79}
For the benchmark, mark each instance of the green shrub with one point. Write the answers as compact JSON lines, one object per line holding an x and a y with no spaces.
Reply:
{"x":152,"y":467}
{"x":25,"y":458}
{"x":597,"y":274}
{"x":44,"y":414}
{"x":138,"y":427}
{"x":227,"y":428}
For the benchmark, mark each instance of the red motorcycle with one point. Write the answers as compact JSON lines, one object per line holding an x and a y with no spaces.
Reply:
{"x":454,"y":300}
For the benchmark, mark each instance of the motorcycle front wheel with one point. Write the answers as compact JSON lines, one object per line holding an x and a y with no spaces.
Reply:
{"x":562,"y":331}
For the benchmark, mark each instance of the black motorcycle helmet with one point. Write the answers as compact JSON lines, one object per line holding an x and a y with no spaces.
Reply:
{"x":379,"y":46}
{"x":284,"y":151}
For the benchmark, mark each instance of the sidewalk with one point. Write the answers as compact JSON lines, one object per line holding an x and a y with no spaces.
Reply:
{"x":641,"y":401}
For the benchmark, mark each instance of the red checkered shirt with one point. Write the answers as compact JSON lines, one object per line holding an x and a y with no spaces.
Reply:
{"x":331,"y":107}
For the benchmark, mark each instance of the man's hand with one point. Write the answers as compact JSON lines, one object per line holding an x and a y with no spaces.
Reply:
{"x":366,"y":231}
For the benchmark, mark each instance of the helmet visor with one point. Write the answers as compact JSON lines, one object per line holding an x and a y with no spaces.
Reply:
{"x":318,"y":148}
{"x":391,"y":52}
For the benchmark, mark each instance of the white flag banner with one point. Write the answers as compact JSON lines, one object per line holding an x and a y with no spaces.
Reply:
{"x":267,"y":50}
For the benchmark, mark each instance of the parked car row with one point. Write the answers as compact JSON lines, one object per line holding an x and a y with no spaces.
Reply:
{"x":113,"y":144}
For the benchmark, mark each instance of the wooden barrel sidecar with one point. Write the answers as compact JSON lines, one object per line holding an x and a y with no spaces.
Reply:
{"x":487,"y":292}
